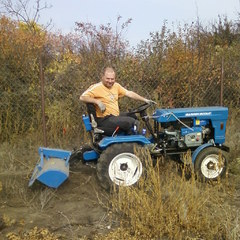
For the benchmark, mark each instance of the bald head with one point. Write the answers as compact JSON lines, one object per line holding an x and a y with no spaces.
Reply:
{"x":109,"y":70}
{"x":108,"y":78}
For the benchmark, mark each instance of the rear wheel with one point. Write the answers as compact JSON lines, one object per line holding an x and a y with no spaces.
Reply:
{"x":120,"y":165}
{"x":211,"y":164}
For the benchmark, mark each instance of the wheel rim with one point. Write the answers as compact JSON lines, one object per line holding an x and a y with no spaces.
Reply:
{"x":125,"y":169}
{"x":212,"y":166}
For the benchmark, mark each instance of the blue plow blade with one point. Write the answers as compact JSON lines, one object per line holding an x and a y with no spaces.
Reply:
{"x":53,"y":168}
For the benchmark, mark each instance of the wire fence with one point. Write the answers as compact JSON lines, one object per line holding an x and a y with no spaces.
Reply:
{"x":53,"y":110}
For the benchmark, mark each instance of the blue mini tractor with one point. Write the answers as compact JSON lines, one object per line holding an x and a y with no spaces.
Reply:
{"x":170,"y":132}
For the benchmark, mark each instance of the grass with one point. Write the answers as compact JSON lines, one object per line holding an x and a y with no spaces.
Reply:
{"x":233,"y":134}
{"x":167,"y":206}
{"x":33,"y":234}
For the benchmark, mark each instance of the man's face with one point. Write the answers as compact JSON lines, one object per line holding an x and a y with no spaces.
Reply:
{"x":108,"y":79}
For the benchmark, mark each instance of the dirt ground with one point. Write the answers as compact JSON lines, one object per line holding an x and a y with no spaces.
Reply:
{"x":77,"y":209}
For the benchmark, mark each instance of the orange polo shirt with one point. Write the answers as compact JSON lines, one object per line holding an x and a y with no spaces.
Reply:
{"x":107,"y":96}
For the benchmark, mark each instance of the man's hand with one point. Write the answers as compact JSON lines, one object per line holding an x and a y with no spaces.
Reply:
{"x":149,"y":101}
{"x":101,"y":106}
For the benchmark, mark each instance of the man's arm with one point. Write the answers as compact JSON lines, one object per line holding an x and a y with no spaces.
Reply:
{"x":135,"y":96}
{"x":87,"y":99}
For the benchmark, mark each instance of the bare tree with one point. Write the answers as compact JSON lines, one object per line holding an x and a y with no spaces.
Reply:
{"x":26,"y":11}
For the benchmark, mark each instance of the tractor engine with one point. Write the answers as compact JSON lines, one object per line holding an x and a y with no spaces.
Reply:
{"x":190,"y":127}
{"x":185,"y":137}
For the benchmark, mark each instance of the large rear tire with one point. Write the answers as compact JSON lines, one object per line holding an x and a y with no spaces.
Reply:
{"x":211,"y":164}
{"x":120,"y":165}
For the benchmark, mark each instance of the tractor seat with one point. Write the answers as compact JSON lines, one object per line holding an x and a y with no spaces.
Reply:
{"x":93,"y":118}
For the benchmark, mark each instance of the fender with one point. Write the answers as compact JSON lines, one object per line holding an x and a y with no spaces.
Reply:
{"x":199,"y":149}
{"x":105,"y":142}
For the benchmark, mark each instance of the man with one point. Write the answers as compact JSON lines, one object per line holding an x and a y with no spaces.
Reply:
{"x":104,"y":95}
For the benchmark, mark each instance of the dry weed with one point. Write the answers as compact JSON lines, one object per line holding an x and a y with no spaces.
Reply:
{"x":165,"y":204}
{"x":33,"y":234}
{"x":45,"y":197}
{"x":232,"y":133}
{"x":8,"y":221}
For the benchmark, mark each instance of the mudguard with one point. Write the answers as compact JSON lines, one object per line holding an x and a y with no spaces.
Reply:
{"x":105,"y":142}
{"x":199,"y":149}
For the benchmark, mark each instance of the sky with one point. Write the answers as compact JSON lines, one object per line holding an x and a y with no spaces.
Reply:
{"x":147,"y":15}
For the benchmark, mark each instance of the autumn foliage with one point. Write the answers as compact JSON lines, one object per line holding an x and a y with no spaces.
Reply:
{"x":191,"y":66}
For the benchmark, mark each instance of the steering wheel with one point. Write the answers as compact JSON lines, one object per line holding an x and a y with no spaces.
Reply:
{"x":141,"y":108}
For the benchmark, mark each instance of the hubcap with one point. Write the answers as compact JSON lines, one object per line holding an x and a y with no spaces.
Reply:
{"x":125,"y":169}
{"x":212,"y":166}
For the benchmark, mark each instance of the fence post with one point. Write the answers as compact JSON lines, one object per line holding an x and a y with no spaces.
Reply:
{"x":41,"y":75}
{"x":221,"y":85}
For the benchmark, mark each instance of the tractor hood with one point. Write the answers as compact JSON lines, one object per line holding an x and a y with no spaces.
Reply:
{"x":169,"y":115}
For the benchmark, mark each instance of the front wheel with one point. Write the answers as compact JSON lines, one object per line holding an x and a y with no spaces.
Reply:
{"x":211,"y":164}
{"x":120,"y":165}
